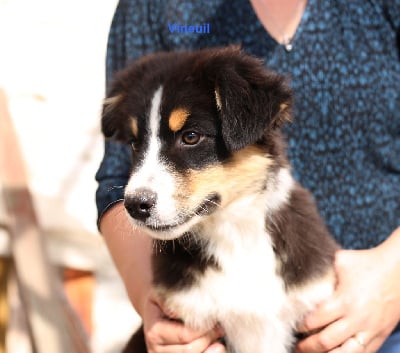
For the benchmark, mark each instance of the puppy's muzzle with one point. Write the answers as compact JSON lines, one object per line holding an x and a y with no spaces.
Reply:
{"x":140,"y":204}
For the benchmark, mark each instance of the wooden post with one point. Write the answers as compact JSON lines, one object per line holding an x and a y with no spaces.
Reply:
{"x":3,"y":303}
{"x":18,"y":337}
{"x":50,"y":324}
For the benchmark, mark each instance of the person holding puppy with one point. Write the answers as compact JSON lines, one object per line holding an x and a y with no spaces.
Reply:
{"x":343,"y":61}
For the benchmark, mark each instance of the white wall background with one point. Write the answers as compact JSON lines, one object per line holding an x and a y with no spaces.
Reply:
{"x":52,"y":56}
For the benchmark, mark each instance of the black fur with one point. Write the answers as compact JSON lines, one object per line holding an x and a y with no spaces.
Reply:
{"x":178,"y":262}
{"x":251,"y":97}
{"x":301,"y":240}
{"x":237,"y":103}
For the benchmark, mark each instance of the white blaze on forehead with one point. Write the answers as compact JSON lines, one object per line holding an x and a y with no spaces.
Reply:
{"x":153,"y":173}
{"x":155,"y":116}
{"x":152,"y":154}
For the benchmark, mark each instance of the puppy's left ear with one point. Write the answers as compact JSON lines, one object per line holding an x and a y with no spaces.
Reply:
{"x":251,"y":99}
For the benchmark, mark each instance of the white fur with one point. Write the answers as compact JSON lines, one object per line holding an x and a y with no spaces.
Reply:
{"x":247,"y":297}
{"x":153,"y":174}
{"x":278,"y":191}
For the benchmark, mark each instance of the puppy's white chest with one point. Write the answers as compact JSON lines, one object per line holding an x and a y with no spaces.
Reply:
{"x":244,"y":294}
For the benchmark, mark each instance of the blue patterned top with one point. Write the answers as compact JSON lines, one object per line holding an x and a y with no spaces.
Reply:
{"x":344,"y":143}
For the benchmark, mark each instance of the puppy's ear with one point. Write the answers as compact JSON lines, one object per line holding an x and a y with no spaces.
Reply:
{"x":128,"y":93}
{"x":251,"y":100}
{"x":112,"y":119}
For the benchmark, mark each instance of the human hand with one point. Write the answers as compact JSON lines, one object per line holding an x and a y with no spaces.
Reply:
{"x":365,"y":307}
{"x":164,"y":335}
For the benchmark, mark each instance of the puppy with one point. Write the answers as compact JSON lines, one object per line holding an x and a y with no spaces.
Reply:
{"x":237,"y":241}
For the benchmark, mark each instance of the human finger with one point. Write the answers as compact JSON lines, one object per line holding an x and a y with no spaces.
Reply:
{"x":216,"y":347}
{"x":166,"y":332}
{"x":331,"y":337}
{"x":355,"y":344}
{"x":169,"y":332}
{"x":201,"y":345}
{"x":325,"y":313}
{"x":204,"y":343}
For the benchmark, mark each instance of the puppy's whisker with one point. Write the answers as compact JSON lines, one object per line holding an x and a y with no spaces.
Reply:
{"x":158,"y":246}
{"x":213,"y":202}
{"x":202,"y":206}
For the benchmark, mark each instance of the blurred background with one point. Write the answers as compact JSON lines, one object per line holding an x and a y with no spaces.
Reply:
{"x":52,"y":56}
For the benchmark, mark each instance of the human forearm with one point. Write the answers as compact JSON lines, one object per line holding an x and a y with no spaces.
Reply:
{"x":390,"y":255}
{"x":391,"y":249}
{"x":130,"y":250}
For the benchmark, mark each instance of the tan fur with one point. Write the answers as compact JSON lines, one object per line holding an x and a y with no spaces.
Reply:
{"x":134,"y":126}
{"x":239,"y":176}
{"x":177,"y":119}
{"x":284,"y":115}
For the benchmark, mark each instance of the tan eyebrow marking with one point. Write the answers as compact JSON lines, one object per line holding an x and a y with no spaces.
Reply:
{"x":177,"y":119}
{"x":134,"y":126}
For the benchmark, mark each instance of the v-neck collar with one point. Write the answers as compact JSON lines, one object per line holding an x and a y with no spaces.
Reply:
{"x":267,"y":37}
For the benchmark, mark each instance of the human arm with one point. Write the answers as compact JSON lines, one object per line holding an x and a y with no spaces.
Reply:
{"x":365,"y":307}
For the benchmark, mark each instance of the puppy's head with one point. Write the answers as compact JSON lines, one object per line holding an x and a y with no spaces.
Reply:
{"x":202,"y":129}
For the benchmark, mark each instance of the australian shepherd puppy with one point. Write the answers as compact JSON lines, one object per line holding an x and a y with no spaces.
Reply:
{"x":237,"y":241}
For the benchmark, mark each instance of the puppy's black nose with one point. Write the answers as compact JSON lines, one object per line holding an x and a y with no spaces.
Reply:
{"x":140,"y":204}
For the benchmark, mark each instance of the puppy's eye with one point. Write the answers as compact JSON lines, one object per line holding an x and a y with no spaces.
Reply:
{"x":191,"y":138}
{"x":135,"y":145}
